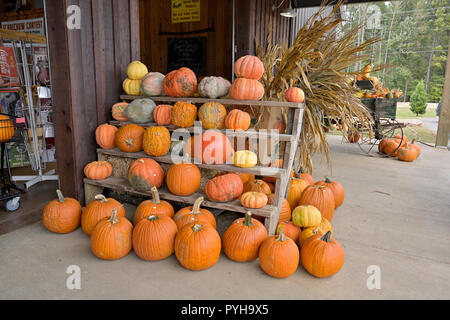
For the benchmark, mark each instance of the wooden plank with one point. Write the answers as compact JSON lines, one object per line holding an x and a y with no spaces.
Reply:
{"x":18,"y":35}
{"x":123,"y":185}
{"x":261,"y":103}
{"x":134,"y":30}
{"x":256,"y":170}
{"x":230,"y":133}
{"x":444,"y":116}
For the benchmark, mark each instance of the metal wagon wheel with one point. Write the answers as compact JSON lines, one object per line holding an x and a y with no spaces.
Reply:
{"x":383,"y":128}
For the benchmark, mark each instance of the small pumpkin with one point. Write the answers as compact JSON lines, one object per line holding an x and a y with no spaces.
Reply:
{"x":212,"y":115}
{"x":246,"y":89}
{"x":136,"y":70}
{"x":257,"y":185}
{"x":285,"y":212}
{"x":156,"y":141}
{"x":279,"y":255}
{"x":117,"y":111}
{"x":153,"y":238}
{"x":326,"y":225}
{"x":306,"y":216}
{"x":322,"y":256}
{"x":180,"y":83}
{"x":213,"y":87}
{"x":320,"y":197}
{"x":308,"y":233}
{"x":237,"y":120}
{"x":249,"y":66}
{"x":391,"y":147}
{"x":243,"y":238}
{"x":163,"y":114}
{"x":105,"y":136}
{"x":406,"y":153}
{"x":353,"y":137}
{"x":305,"y":175}
{"x":111,"y":237}
{"x":194,"y":214}
{"x":253,"y":200}
{"x":129,"y":138}
{"x":152,"y":84}
{"x":144,"y":173}
{"x":296,"y":188}
{"x":336,"y":188}
{"x":62,"y":215}
{"x":154,"y":207}
{"x":212,"y":147}
{"x":294,"y":94}
{"x":132,"y":87}
{"x":184,"y":114}
{"x":183,"y":179}
{"x":224,"y":188}
{"x":98,"y":209}
{"x":98,"y":170}
{"x":290,"y":230}
{"x":245,"y":159}
{"x":6,"y":128}
{"x":140,"y":110}
{"x":197,"y":246}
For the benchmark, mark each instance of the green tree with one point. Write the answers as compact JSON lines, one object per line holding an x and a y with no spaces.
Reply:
{"x":419,"y":99}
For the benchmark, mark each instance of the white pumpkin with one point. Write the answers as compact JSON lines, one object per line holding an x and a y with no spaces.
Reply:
{"x":152,"y":84}
{"x":214,"y":87}
{"x":140,"y":110}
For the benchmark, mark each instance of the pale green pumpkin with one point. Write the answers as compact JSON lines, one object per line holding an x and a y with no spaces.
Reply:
{"x":140,"y":110}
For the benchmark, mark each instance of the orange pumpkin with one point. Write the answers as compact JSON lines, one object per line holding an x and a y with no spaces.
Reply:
{"x":194,"y":214}
{"x":212,"y":115}
{"x":305,"y":175}
{"x":62,"y":215}
{"x":353,"y":137}
{"x":250,"y":67}
{"x":253,"y":200}
{"x":224,"y":188}
{"x":237,"y":120}
{"x":163,"y":114}
{"x":6,"y":128}
{"x":257,"y":185}
{"x":129,"y":138}
{"x":294,"y":94}
{"x":406,"y":153}
{"x":285,"y":212}
{"x":290,"y":230}
{"x":117,"y":111}
{"x":98,"y":170}
{"x":183,"y":179}
{"x":144,"y":173}
{"x":180,"y":83}
{"x":212,"y":147}
{"x":156,"y":141}
{"x":320,"y":197}
{"x":391,"y":147}
{"x":154,"y":207}
{"x":336,"y":188}
{"x":245,"y":177}
{"x":184,"y":114}
{"x":105,"y":136}
{"x":246,"y":89}
{"x":296,"y":188}
{"x":415,"y":147}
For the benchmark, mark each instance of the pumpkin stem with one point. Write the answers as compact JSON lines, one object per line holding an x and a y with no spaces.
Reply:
{"x":327,"y":180}
{"x":281,"y":236}
{"x":413,"y":140}
{"x":155,"y":195}
{"x":196,"y":206}
{"x":152,"y":217}
{"x":60,"y":196}
{"x":129,"y":142}
{"x":197,"y":227}
{"x":113,"y":219}
{"x":101,"y":198}
{"x":248,"y":219}
{"x":326,"y":237}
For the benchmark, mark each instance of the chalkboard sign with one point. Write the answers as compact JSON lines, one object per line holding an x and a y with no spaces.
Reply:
{"x":187,"y":52}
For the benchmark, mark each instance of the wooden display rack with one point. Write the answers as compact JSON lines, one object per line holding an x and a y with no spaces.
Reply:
{"x":282,"y":175}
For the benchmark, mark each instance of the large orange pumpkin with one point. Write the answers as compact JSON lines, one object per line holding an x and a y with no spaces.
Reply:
{"x":237,"y":120}
{"x":212,"y":115}
{"x":415,"y":147}
{"x":320,"y":197}
{"x":212,"y":147}
{"x":296,"y":188}
{"x":242,"y":239}
{"x":144,"y":173}
{"x":129,"y":138}
{"x":154,"y":207}
{"x":183,"y":179}
{"x":246,"y":89}
{"x":105,"y":136}
{"x":163,"y":114}
{"x":406,"y":153}
{"x":197,"y":246}
{"x":336,"y":188}
{"x":195,"y":214}
{"x":98,"y":170}
{"x":156,"y":141}
{"x":290,"y":229}
{"x":184,"y":114}
{"x":250,"y":67}
{"x":285,"y":212}
{"x":224,"y":188}
{"x":117,"y":111}
{"x":62,"y":215}
{"x":180,"y":83}
{"x":305,"y":175}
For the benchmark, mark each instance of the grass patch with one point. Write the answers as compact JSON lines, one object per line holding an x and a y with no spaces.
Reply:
{"x":405,"y":113}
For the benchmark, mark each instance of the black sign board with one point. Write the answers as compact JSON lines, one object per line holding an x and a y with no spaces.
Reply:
{"x":187,"y":52}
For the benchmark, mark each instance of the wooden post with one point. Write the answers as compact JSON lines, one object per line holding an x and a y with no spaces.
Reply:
{"x":444,"y":116}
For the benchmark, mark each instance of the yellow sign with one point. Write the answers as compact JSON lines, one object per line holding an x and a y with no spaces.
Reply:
{"x":185,"y":10}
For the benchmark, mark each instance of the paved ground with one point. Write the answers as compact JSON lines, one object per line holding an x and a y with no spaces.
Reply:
{"x":396,"y":216}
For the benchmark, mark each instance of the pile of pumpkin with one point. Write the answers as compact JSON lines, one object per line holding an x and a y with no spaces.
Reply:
{"x":378,"y":90}
{"x":399,"y":147}
{"x":157,"y":232}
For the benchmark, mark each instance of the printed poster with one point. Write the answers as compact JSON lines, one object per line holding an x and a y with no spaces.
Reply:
{"x":185,"y":11}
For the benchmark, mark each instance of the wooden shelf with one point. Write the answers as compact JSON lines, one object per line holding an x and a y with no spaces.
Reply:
{"x":122,"y":184}
{"x":230,"y":133}
{"x":257,"y":170}
{"x":261,"y":103}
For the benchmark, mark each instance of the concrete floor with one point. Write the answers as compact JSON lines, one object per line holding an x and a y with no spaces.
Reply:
{"x":395,"y":215}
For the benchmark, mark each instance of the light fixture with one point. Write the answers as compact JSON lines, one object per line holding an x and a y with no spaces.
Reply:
{"x":289,"y":12}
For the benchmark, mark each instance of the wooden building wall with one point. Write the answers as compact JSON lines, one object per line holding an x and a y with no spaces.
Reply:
{"x":87,"y":68}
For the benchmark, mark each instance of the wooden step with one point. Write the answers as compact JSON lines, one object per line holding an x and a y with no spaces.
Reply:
{"x":93,"y":187}
{"x":260,"y":103}
{"x":257,"y":170}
